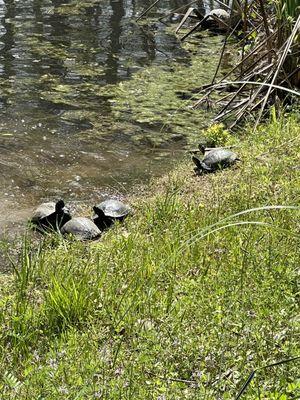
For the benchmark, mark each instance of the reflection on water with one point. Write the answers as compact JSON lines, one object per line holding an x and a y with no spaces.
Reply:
{"x":55,"y":56}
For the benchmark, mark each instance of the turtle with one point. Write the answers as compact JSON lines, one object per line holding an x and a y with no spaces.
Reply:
{"x":82,"y":228}
{"x":109,"y":211}
{"x":220,"y":13}
{"x":214,"y":160}
{"x":216,"y":18}
{"x":50,"y":216}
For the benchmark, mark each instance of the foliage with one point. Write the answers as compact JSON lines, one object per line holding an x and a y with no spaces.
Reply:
{"x":288,"y":9}
{"x":267,"y":67}
{"x":218,"y":135}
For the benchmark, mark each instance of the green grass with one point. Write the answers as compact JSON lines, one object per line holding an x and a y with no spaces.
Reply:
{"x":183,"y":301}
{"x":288,"y":8}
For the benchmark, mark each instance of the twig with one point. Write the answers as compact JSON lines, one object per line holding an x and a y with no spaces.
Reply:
{"x":147,"y":10}
{"x":247,"y":57}
{"x":187,"y":14}
{"x":176,"y":10}
{"x":265,"y":20}
{"x":193,"y":29}
{"x":252,"y":374}
{"x":233,"y":98}
{"x":223,"y":4}
{"x":188,"y":382}
{"x":228,"y":35}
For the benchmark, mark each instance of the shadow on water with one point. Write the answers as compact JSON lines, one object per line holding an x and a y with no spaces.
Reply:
{"x":56,"y":59}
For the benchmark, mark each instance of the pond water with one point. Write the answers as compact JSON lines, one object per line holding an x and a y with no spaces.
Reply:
{"x":60,"y":136}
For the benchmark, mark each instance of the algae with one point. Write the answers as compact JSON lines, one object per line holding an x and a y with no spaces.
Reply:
{"x":162,"y":97}
{"x":153,"y":107}
{"x":76,"y":7}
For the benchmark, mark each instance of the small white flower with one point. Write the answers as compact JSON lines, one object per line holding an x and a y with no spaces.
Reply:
{"x":98,"y":394}
{"x":63,"y":390}
{"x":36,"y":355}
{"x":52,"y":363}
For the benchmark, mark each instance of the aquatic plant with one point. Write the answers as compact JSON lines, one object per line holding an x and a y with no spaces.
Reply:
{"x":269,"y":48}
{"x":269,"y":56}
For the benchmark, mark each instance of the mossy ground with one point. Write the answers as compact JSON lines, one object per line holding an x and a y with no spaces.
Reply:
{"x":168,"y":305}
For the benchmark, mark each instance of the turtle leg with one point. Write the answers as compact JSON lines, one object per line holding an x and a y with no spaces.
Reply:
{"x":201,"y":167}
{"x":206,"y":168}
{"x":49,"y":223}
{"x":197,"y":162}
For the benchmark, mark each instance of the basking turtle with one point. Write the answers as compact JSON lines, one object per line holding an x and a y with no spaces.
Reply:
{"x":214,"y":160}
{"x":82,"y":228}
{"x":51,"y":216}
{"x":109,"y":211}
{"x":216,"y":20}
{"x":219,"y":13}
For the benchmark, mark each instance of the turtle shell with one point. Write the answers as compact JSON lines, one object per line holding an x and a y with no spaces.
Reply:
{"x":43,"y":211}
{"x":220,"y":22}
{"x":82,"y":228}
{"x":51,"y":215}
{"x":219,"y":158}
{"x":220,"y":13}
{"x":114,"y":209}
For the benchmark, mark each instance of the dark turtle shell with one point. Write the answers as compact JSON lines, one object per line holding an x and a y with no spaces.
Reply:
{"x":107,"y":212}
{"x":114,"y":209}
{"x":214,"y":160}
{"x":82,"y":228}
{"x":51,"y":215}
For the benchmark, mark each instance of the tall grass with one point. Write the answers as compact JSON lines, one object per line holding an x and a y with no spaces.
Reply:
{"x":287,"y":13}
{"x":288,"y":9}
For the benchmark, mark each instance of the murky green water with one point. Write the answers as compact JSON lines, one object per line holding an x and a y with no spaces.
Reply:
{"x":85,"y":93}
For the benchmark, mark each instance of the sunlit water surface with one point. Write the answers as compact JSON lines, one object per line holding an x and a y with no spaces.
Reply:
{"x":51,"y":53}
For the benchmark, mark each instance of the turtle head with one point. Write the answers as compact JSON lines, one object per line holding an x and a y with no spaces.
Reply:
{"x":99,"y":213}
{"x":59,"y":205}
{"x":63,"y":214}
{"x":202,"y":148}
{"x":101,"y":220}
